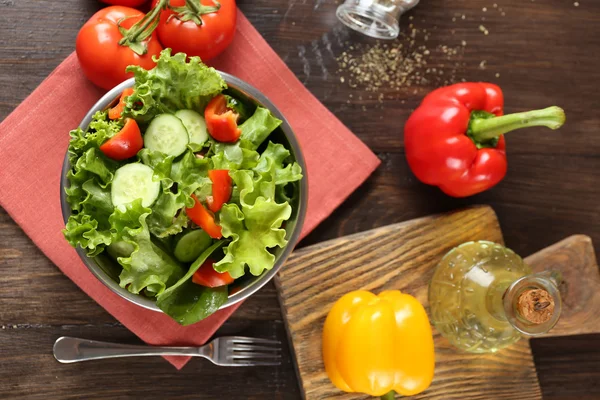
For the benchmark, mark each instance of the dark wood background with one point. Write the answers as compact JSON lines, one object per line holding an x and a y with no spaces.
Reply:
{"x":542,"y":52}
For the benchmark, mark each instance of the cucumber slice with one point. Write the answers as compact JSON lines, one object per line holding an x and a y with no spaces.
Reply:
{"x":191,"y":245}
{"x":167,"y":134}
{"x":134,"y":181}
{"x":194,"y":124}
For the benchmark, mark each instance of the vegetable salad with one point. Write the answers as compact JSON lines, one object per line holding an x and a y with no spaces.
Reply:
{"x":180,"y":184}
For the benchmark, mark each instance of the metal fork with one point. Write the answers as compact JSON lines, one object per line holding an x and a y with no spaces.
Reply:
{"x":227,"y":351}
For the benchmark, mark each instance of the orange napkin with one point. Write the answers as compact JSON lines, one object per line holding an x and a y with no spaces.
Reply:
{"x":34,"y":138}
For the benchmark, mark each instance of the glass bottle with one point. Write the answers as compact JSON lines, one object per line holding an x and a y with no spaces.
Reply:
{"x":483,"y":297}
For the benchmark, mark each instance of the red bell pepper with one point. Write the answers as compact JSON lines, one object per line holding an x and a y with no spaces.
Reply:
{"x":221,"y":189}
{"x":454,"y":139}
{"x":124,"y":144}
{"x":204,"y":219}
{"x":221,"y":122}
{"x":207,"y":276}
{"x":116,"y":111}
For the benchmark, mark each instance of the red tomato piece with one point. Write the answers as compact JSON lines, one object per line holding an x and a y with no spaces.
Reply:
{"x":116,"y":111}
{"x":204,"y":219}
{"x":221,"y":189}
{"x":221,"y":122}
{"x":206,"y":39}
{"x":207,"y":276}
{"x":102,"y":59}
{"x":124,"y":144}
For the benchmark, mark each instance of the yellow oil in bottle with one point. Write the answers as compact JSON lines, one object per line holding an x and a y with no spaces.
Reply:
{"x":466,"y":296}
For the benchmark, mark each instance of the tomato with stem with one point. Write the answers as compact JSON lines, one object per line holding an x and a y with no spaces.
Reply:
{"x":114,"y":38}
{"x":203,"y":28}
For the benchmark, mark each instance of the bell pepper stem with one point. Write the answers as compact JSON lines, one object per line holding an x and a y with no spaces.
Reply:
{"x":489,"y":128}
{"x":391,"y":395}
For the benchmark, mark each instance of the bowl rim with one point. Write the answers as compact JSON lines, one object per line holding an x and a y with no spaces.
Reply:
{"x":259,"y":281}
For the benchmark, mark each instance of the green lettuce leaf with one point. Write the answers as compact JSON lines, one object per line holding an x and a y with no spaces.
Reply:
{"x":272,"y":162}
{"x":253,"y":233}
{"x":188,"y":303}
{"x":257,"y":128}
{"x":232,"y":156}
{"x":167,"y":217}
{"x":172,"y":85}
{"x":148,"y":266}
{"x":191,"y":175}
{"x":82,"y":230}
{"x":100,"y":130}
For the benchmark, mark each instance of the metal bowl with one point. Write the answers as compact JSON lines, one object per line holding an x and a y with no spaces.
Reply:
{"x":107,"y":270}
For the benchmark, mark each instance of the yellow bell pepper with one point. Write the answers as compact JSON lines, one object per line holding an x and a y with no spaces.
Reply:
{"x":378,"y":344}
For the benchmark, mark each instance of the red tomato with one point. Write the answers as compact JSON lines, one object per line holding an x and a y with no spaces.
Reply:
{"x":116,"y":111}
{"x":207,"y":40}
{"x":207,"y":276}
{"x":127,"y":3}
{"x":201,"y":217}
{"x":102,"y":59}
{"x":124,"y":144}
{"x":221,"y":122}
{"x":221,"y":189}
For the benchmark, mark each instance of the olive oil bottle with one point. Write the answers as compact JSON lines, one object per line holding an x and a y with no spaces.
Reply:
{"x":483,"y":297}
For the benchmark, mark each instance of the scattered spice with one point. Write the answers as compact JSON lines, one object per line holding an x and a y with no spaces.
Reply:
{"x":535,"y":305}
{"x":576,"y":4}
{"x":497,"y":74}
{"x":400,"y":64}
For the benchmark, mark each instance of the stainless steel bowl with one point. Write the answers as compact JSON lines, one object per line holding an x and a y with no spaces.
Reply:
{"x":107,"y":270}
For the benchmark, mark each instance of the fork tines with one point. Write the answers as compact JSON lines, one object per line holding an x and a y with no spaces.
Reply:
{"x":246,"y":351}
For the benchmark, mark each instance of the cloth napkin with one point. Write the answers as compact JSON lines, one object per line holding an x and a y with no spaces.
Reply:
{"x":34,"y":138}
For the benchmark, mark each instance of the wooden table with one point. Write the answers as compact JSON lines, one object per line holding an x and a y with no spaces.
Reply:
{"x":542,"y":52}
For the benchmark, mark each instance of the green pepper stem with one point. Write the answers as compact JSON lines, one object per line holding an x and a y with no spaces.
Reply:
{"x":391,"y":395}
{"x":485,"y":129}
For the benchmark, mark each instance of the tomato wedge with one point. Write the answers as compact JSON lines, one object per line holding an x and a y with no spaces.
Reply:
{"x":204,"y":219}
{"x":221,"y":189}
{"x":116,"y":111}
{"x":124,"y":144}
{"x":207,"y":276}
{"x":221,"y":122}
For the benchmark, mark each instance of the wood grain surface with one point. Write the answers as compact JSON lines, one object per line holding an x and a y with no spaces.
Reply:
{"x":403,"y":256}
{"x":544,"y":51}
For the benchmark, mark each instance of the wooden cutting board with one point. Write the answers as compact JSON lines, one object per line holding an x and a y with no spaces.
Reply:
{"x":403,"y":256}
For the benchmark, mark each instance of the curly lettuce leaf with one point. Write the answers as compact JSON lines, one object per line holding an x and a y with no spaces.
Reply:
{"x":253,"y":232}
{"x":272,"y":161}
{"x":172,"y":85}
{"x":82,"y":230}
{"x":257,"y":128}
{"x":191,"y":175}
{"x":232,"y":156}
{"x":167,"y":217}
{"x":148,"y":266}
{"x":100,"y":130}
{"x":188,"y":303}
{"x":89,"y":197}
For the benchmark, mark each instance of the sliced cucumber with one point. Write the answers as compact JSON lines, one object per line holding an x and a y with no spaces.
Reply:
{"x":134,"y":181}
{"x":194,"y":124}
{"x":191,"y":245}
{"x":167,"y":134}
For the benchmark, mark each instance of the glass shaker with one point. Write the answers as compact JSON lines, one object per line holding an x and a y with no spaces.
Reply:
{"x":375,"y":18}
{"x":483,"y":297}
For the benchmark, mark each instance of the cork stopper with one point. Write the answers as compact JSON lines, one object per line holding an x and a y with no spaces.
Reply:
{"x":535,"y":305}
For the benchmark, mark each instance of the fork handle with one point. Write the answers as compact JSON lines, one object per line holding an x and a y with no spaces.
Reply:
{"x":70,"y":350}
